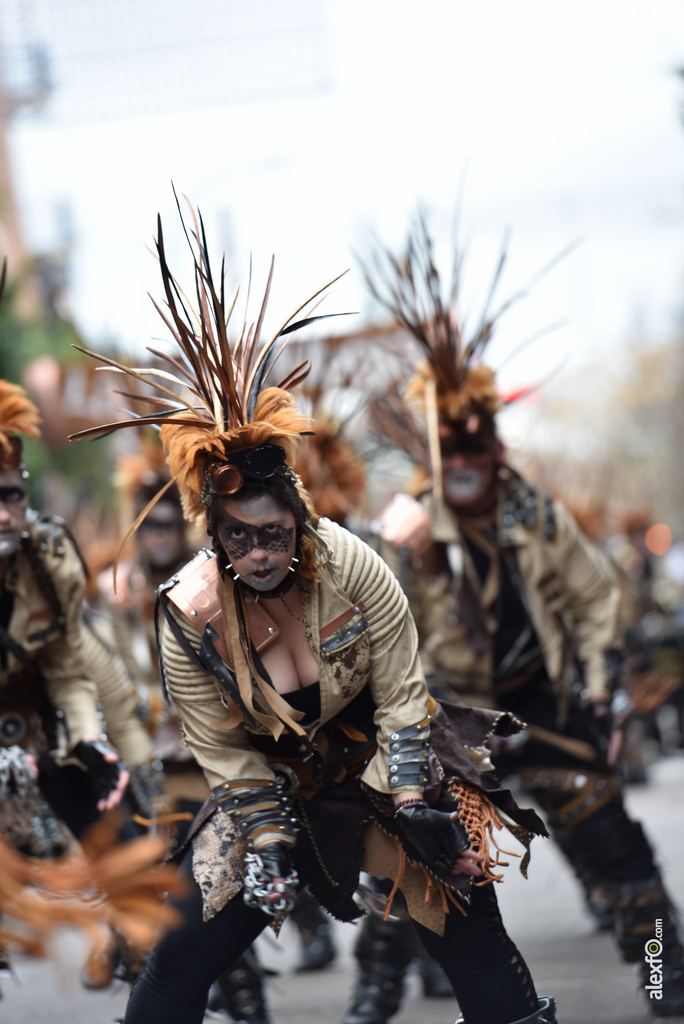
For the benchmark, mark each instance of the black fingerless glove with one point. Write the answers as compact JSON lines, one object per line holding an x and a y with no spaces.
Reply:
{"x":147,"y":789}
{"x":275,"y":858}
{"x":439,"y":840}
{"x":103,"y":775}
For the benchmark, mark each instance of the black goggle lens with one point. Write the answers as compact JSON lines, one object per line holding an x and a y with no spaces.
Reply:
{"x":260,"y":462}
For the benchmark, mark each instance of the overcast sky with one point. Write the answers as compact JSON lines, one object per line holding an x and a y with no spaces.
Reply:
{"x":563,"y":117}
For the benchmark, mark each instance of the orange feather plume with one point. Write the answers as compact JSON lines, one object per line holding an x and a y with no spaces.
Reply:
{"x":18,"y":415}
{"x":276,"y":420}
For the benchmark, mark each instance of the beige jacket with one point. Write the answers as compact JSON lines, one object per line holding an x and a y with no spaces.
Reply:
{"x":362,"y":634}
{"x":55,"y":649}
{"x":569,"y":589}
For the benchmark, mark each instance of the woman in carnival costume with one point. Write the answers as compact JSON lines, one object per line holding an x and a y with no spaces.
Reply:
{"x":292,"y":660}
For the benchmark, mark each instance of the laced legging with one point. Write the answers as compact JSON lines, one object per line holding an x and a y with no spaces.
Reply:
{"x":490,"y":978}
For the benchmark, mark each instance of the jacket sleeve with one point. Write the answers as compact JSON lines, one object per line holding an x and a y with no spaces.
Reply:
{"x":118,"y":700}
{"x":397,"y":681}
{"x":223,"y":753}
{"x":61,"y":661}
{"x":591,"y":599}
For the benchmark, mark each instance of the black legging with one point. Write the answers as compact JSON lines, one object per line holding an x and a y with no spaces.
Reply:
{"x":489,"y":976}
{"x":491,"y":980}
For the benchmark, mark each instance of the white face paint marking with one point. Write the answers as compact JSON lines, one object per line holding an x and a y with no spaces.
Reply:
{"x":463,"y":484}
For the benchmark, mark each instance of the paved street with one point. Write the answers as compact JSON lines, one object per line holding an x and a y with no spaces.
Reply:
{"x":544,"y":915}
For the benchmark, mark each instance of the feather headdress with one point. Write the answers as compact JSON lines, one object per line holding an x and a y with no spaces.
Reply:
{"x":331,"y":472}
{"x":211,"y":402}
{"x":453,"y":387}
{"x":100,"y":888}
{"x":411,"y":289}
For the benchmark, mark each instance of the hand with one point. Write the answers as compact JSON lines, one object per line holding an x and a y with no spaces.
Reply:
{"x":270,"y":881}
{"x":404,"y":523}
{"x":106,"y":770}
{"x":275,"y":858}
{"x":440,"y":840}
{"x":608,"y":726}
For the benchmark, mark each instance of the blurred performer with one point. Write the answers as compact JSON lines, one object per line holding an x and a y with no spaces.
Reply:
{"x":162,"y":547}
{"x":124,"y":618}
{"x":56,"y":766}
{"x":67,"y":710}
{"x":118,"y":703}
{"x":517,"y":610}
{"x":653,"y":640}
{"x":47,"y":700}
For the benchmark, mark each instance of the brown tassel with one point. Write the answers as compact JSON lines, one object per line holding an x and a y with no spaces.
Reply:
{"x":479,"y":817}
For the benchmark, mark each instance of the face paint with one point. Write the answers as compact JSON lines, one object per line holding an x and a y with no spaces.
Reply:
{"x":259,"y":538}
{"x":240,"y":539}
{"x":161,"y":538}
{"x":462,"y":484}
{"x":468,"y":477}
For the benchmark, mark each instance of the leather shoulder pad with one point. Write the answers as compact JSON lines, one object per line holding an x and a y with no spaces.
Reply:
{"x":193,"y":592}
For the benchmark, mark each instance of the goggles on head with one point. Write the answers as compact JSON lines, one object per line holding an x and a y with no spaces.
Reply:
{"x":472,"y":435}
{"x":259,"y":463}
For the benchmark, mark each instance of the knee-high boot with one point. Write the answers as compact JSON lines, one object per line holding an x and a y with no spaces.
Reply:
{"x":315,"y":933}
{"x":616,"y":849}
{"x":383,"y":952}
{"x":238,"y":994}
{"x":646,"y":933}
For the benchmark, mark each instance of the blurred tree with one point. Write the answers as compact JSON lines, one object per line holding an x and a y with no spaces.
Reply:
{"x":37,"y":351}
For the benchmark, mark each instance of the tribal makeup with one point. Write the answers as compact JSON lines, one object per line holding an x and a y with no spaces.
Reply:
{"x":259,"y":538}
{"x":240,"y":539}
